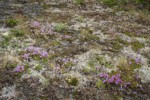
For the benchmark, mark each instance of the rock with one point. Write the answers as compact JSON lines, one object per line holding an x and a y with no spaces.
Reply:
{"x":145,"y":74}
{"x":7,"y":93}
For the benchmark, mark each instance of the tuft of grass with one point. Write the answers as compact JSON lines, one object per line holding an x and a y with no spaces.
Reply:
{"x":72,"y":81}
{"x":100,"y":84}
{"x":119,"y":40}
{"x":116,"y":45}
{"x":127,"y":4}
{"x":79,"y":2}
{"x":87,"y":70}
{"x":86,"y":35}
{"x":110,"y":2}
{"x":11,"y":23}
{"x":5,"y":42}
{"x":137,"y":45}
{"x":60,"y":27}
{"x":17,"y":32}
{"x":38,"y":67}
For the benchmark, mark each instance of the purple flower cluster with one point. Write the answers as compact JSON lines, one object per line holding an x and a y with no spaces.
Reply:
{"x":19,"y":69}
{"x":35,"y":51}
{"x":47,"y":29}
{"x":115,"y":79}
{"x":136,"y":59}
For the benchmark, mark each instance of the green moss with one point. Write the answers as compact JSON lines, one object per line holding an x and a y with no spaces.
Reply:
{"x":11,"y":22}
{"x":72,"y":81}
{"x":137,"y":45}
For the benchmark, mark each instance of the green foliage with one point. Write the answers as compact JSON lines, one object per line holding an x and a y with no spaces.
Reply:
{"x":72,"y":81}
{"x":86,"y":35}
{"x":17,"y":32}
{"x":118,"y":43}
{"x":69,"y":64}
{"x":79,"y":2}
{"x":100,"y":84}
{"x":60,"y":27}
{"x":123,"y":3}
{"x":119,"y":40}
{"x":5,"y":42}
{"x":110,"y":2}
{"x":127,"y":72}
{"x":38,"y":67}
{"x":11,"y":22}
{"x":88,"y":70}
{"x":137,"y":45}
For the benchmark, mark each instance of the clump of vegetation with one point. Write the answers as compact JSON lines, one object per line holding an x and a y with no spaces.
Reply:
{"x":38,"y":67}
{"x":131,"y":34}
{"x":86,"y":35}
{"x":17,"y":32}
{"x":124,"y":76}
{"x":100,"y":84}
{"x":137,"y":45}
{"x":80,"y":18}
{"x":123,"y":3}
{"x":109,"y":2}
{"x":5,"y":42}
{"x":118,"y":43}
{"x":11,"y":22}
{"x":72,"y":81}
{"x":119,"y":40}
{"x":89,"y":69}
{"x":60,"y":27}
{"x":79,"y":2}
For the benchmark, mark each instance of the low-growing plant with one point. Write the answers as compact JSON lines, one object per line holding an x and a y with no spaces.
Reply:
{"x":72,"y":81}
{"x":79,"y":2}
{"x":11,"y":22}
{"x":123,"y":3}
{"x":124,"y":76}
{"x":5,"y":41}
{"x":88,"y":70}
{"x":86,"y":35}
{"x":60,"y":27}
{"x":100,"y":84}
{"x":38,"y":67}
{"x":17,"y":32}
{"x":137,"y":45}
